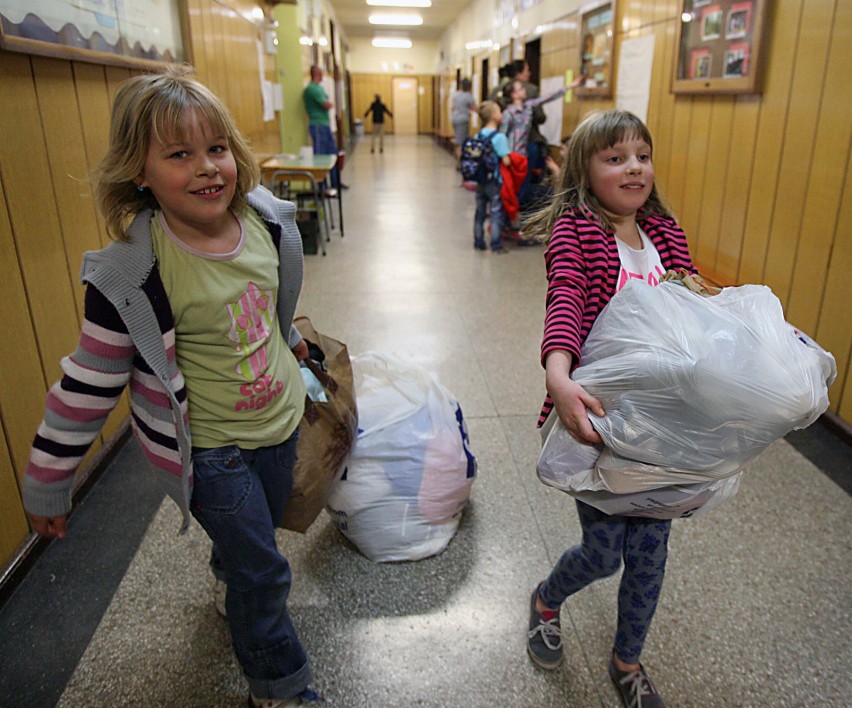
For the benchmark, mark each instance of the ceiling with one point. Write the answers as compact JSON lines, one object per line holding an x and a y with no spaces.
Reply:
{"x":353,"y":16}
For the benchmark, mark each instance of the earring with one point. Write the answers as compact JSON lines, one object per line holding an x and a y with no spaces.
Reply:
{"x":140,"y":188}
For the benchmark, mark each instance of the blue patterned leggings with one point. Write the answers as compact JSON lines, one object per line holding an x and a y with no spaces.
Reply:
{"x":642,"y":544}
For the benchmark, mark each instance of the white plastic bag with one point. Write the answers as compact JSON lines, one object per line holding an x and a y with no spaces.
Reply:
{"x":697,"y":384}
{"x":409,"y":475}
{"x":570,"y":466}
{"x":694,"y":388}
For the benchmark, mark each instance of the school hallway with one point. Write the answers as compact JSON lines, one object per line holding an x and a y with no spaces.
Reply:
{"x":755,"y":609}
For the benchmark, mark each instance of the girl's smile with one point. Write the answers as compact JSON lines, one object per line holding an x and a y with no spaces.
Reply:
{"x":193,"y":177}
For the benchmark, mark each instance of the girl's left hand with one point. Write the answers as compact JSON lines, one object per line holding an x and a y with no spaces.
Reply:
{"x":300,"y":351}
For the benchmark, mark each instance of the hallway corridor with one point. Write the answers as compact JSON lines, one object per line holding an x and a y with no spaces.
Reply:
{"x":755,"y":610}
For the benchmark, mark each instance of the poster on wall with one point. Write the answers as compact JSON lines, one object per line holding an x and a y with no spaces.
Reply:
{"x":551,"y":129}
{"x":125,"y":32}
{"x":635,"y":61}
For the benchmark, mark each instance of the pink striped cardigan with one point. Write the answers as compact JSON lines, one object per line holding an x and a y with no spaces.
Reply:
{"x":128,"y":336}
{"x":582,"y":274}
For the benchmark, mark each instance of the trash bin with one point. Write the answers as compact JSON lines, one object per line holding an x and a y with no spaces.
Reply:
{"x":359,"y":128}
{"x":309,"y":227}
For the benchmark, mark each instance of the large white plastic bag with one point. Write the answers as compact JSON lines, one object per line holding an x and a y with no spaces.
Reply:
{"x":570,"y":466}
{"x":697,"y":386}
{"x":410,"y":471}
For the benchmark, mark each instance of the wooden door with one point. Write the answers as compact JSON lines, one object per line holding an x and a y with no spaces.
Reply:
{"x":405,"y":105}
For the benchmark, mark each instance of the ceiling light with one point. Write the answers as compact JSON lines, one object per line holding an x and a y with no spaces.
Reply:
{"x":391,"y":42}
{"x":396,"y":20}
{"x":400,"y":3}
{"x":305,"y":41}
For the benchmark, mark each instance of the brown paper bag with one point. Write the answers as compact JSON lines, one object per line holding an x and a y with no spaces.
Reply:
{"x":326,"y":434}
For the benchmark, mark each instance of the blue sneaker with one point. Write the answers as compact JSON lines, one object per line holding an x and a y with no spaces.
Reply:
{"x":544,"y":638}
{"x":635,"y":688}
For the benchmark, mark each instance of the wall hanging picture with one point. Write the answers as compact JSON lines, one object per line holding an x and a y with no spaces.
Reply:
{"x":719,"y":45}
{"x":133,"y":33}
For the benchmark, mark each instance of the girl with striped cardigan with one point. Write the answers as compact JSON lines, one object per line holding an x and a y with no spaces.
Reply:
{"x":605,"y":225}
{"x":192,"y":307}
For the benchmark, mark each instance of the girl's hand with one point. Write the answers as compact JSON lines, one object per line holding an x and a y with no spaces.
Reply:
{"x":571,"y":399}
{"x":48,"y":526}
{"x":300,"y":351}
{"x":551,"y":165}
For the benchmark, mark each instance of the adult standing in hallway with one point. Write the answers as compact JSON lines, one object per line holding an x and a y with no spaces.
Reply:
{"x":379,"y":109}
{"x":463,"y":106}
{"x":317,"y":105}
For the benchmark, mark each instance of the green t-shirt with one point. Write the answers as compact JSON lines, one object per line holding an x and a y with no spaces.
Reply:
{"x":315,"y":96}
{"x":243,"y":383}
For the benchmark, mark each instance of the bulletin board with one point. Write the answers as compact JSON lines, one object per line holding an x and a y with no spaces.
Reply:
{"x":596,"y":48}
{"x":134,"y":33}
{"x":719,"y":45}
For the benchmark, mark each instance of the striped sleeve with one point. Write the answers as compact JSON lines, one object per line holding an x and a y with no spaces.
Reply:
{"x":77,"y":406}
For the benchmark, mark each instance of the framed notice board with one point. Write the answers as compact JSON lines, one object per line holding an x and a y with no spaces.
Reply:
{"x":596,"y":48}
{"x":134,"y":33}
{"x":719,"y":44}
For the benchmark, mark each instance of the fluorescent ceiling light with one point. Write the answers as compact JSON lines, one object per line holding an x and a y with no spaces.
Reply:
{"x":391,"y":43}
{"x":400,"y":3}
{"x":396,"y":20}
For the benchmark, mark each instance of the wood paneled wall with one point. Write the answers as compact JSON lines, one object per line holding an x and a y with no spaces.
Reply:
{"x":366,"y":86}
{"x":760,"y":183}
{"x":54,"y":125}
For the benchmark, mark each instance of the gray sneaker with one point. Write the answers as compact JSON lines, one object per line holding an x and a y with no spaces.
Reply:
{"x":635,"y":687}
{"x":544,"y":638}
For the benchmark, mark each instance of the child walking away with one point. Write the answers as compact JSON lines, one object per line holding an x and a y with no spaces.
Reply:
{"x":192,"y":306}
{"x":606,"y":224}
{"x":379,"y":109}
{"x":488,"y":190}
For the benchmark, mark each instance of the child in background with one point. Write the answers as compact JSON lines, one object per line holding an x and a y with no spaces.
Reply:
{"x":606,"y":225}
{"x":192,"y":306}
{"x":518,"y":120}
{"x":379,"y":109}
{"x":463,"y":105}
{"x":488,"y":193}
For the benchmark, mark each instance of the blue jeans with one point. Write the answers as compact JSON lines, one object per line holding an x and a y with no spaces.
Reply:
{"x":533,"y":157}
{"x":642,"y":544}
{"x":238,"y":498}
{"x":323,"y":140}
{"x":488,"y":198}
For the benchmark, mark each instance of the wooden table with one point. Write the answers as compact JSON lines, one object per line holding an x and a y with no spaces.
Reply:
{"x":315,"y":169}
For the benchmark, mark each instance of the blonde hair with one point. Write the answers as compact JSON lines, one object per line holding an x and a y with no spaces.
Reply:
{"x":154,"y":107}
{"x":488,"y":109}
{"x":597,"y":131}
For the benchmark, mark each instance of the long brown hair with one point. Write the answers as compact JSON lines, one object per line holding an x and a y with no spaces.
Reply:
{"x":151,"y":107}
{"x":597,"y":131}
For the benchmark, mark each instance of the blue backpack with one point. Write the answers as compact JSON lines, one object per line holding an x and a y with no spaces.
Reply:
{"x":478,"y":160}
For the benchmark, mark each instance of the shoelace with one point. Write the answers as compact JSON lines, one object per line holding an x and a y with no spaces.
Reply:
{"x":551,"y":633}
{"x":639,"y":685}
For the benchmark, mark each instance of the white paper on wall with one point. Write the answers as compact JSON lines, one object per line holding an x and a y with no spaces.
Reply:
{"x":551,"y":129}
{"x":635,"y":63}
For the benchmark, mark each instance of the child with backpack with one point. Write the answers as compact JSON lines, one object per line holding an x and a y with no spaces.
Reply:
{"x":481,"y":157}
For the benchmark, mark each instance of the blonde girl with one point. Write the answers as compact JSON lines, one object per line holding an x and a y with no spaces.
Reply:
{"x":192,"y":307}
{"x":606,"y":225}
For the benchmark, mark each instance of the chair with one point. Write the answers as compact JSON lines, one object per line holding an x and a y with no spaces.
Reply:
{"x":333,"y":193}
{"x":310,"y":204}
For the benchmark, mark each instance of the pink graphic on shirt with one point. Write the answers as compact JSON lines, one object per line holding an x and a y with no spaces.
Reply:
{"x":251,"y":323}
{"x":652,"y":278}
